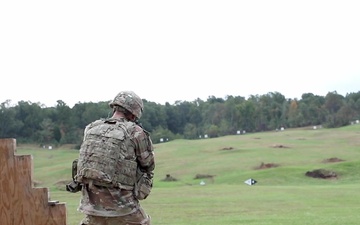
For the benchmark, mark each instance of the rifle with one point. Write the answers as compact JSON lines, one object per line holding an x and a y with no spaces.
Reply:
{"x":73,"y":186}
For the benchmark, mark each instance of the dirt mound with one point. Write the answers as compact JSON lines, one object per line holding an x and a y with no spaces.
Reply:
{"x":332,"y":160}
{"x":266,"y":166}
{"x":227,"y":148}
{"x":169,"y":178}
{"x":203,"y":176}
{"x":279,"y":146}
{"x":321,"y":173}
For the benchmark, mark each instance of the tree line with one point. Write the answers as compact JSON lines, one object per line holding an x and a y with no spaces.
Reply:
{"x":34,"y":123}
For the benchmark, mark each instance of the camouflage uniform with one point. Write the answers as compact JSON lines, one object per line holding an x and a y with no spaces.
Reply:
{"x":119,"y":204}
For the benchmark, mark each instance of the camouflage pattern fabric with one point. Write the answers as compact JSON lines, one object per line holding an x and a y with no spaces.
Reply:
{"x":116,"y":204}
{"x":130,"y":101}
{"x":106,"y":155}
{"x":143,"y":185}
{"x":137,"y":218}
{"x":107,"y":202}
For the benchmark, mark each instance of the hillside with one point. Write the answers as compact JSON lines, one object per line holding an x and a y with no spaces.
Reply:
{"x":277,"y":160}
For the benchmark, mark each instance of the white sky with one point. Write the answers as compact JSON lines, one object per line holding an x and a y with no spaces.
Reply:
{"x":88,"y":51}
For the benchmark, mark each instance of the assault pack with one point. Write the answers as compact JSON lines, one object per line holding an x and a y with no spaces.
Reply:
{"x":105,"y":157}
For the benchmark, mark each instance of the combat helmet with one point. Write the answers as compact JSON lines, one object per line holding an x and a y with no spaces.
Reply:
{"x":130,"y":101}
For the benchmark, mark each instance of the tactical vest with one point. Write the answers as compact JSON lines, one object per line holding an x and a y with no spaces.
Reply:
{"x":106,"y":155}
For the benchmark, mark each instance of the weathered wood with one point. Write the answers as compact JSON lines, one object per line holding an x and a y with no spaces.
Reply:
{"x":20,"y":202}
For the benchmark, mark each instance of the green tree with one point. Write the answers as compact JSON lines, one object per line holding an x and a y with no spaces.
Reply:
{"x":63,"y":118}
{"x":312,"y":111}
{"x":46,"y":134}
{"x":154,"y":115}
{"x":9,"y":125}
{"x":190,"y":131}
{"x":213,"y":131}
{"x":353,"y":100}
{"x":293,"y":114}
{"x":232,"y":116}
{"x":31,"y":115}
{"x":333,"y":103}
{"x":247,"y":116}
{"x":160,"y":134}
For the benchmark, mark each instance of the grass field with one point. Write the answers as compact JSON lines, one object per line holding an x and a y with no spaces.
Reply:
{"x":283,"y":194}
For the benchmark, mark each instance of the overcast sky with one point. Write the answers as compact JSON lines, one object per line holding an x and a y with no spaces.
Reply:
{"x":88,"y":51}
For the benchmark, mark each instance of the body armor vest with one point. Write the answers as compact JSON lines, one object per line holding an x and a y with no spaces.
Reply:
{"x":106,"y":155}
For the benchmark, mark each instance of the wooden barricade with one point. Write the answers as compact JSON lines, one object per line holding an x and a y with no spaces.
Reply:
{"x":20,"y":202}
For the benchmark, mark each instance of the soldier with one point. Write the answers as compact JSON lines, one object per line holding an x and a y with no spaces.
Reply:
{"x":115,"y":166}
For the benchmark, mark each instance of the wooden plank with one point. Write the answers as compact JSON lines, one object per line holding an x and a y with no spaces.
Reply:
{"x":20,"y":202}
{"x":7,"y":182}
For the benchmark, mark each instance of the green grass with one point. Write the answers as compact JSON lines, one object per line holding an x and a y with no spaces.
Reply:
{"x":283,"y":195}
